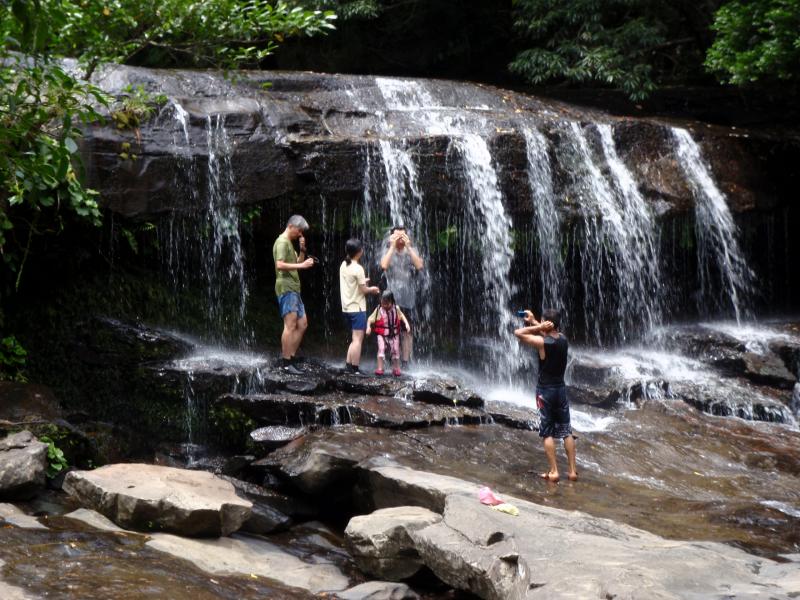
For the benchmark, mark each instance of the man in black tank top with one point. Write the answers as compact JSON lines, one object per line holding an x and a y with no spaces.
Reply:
{"x":551,"y":392}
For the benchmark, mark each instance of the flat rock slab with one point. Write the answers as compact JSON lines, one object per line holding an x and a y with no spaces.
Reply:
{"x":94,"y":519}
{"x":244,"y":555}
{"x":23,"y":463}
{"x":150,"y":497}
{"x":551,"y":553}
{"x":11,"y":514}
{"x":339,"y":408}
{"x":379,"y":590}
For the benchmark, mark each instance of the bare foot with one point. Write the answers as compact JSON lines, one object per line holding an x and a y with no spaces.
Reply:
{"x":551,"y":477}
{"x":573,"y":476}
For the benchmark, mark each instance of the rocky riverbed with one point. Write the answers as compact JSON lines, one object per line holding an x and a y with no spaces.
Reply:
{"x":303,"y":468}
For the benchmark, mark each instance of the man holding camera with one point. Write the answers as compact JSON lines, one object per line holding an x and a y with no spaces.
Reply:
{"x":287,"y":288}
{"x":400,"y":262}
{"x":551,"y":392}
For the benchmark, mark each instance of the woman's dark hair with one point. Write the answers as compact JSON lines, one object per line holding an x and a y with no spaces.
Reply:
{"x":351,"y":248}
{"x":387,"y":296}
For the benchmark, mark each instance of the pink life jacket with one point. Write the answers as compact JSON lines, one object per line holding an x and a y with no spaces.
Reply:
{"x":388,"y":323}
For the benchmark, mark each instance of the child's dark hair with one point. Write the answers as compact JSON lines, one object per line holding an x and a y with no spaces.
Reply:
{"x":351,"y":248}
{"x":552,"y":315}
{"x":387,"y":296}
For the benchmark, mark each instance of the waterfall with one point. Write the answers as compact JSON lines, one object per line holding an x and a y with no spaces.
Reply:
{"x":488,"y":226}
{"x":201,"y":244}
{"x":547,"y":223}
{"x":719,"y":256}
{"x":223,"y":272}
{"x":619,"y":263}
{"x":640,"y":285}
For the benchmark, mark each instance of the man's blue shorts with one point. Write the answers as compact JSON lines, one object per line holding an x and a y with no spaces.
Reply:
{"x":356,"y":321}
{"x":553,"y":412}
{"x":290,"y":302}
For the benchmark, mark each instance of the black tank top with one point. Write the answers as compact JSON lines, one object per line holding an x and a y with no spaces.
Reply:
{"x":554,"y":363}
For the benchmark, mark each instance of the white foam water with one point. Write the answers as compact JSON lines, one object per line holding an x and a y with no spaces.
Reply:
{"x":583,"y":421}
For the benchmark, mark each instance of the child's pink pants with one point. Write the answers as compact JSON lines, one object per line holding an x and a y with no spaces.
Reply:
{"x":394,"y":346}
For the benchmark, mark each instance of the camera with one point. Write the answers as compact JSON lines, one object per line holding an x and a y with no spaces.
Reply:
{"x":521,"y":314}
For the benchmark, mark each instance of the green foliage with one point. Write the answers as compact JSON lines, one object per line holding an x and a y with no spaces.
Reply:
{"x":57,"y":462}
{"x":756,"y":40}
{"x":41,"y":109}
{"x":12,"y":359}
{"x":135,"y":107}
{"x":609,"y":42}
{"x":352,"y":9}
{"x":223,"y":33}
{"x":446,"y":238}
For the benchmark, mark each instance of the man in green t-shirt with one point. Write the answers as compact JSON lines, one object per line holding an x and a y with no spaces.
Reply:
{"x":287,"y":288}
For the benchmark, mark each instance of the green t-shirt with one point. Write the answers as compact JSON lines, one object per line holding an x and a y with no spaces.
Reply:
{"x":285,"y":281}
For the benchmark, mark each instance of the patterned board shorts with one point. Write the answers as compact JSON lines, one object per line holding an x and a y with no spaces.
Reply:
{"x":553,"y":412}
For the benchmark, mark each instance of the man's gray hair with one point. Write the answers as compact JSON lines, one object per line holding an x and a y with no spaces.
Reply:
{"x":299,"y":222}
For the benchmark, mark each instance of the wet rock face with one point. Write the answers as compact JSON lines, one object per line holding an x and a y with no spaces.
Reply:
{"x":311,"y":134}
{"x":23,"y":463}
{"x":722,"y":369}
{"x":147,"y":497}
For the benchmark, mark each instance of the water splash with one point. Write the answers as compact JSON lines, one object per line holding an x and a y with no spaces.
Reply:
{"x":726,"y":281}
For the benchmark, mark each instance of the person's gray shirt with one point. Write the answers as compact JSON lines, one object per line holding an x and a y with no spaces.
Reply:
{"x":400,"y":279}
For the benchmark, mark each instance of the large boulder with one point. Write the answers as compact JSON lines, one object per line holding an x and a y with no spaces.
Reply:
{"x":23,"y":465}
{"x":494,"y":572}
{"x":380,"y":542}
{"x":147,"y":497}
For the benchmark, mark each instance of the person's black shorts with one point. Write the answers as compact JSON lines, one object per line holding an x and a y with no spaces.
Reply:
{"x":553,"y":412}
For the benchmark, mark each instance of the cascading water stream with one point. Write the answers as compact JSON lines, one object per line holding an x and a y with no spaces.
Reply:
{"x":224,"y":273}
{"x":489,"y":227}
{"x":619,"y":263}
{"x":718,"y":251}
{"x":203,"y":246}
{"x":547,"y":222}
{"x":641,"y":285}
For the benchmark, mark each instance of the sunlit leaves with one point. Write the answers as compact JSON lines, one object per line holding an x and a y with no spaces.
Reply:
{"x":756,"y":40}
{"x":221,"y":33}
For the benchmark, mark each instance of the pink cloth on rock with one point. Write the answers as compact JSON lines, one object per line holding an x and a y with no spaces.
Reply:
{"x":486,"y":496}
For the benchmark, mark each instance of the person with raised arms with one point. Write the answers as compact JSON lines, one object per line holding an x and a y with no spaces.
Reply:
{"x":551,"y":391}
{"x":400,"y":261}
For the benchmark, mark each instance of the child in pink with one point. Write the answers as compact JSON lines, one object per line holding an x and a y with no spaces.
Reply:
{"x":387,"y":321}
